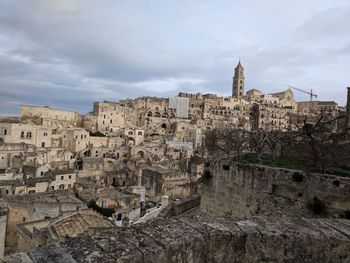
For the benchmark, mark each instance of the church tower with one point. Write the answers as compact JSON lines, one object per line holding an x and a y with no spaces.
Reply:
{"x":238,"y":81}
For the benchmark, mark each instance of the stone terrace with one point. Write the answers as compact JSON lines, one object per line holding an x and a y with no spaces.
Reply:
{"x":202,"y":239}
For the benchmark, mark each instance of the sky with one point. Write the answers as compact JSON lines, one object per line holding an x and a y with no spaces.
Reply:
{"x":69,"y":53}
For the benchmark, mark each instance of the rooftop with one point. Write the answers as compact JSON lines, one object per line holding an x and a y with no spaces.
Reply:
{"x":48,"y":197}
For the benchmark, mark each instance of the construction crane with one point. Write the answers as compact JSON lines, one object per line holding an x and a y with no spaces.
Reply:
{"x":305,"y":91}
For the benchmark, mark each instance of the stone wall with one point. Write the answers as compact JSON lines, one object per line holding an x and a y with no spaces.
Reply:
{"x":243,"y":189}
{"x":3,"y":220}
{"x":181,"y":206}
{"x":201,"y":239}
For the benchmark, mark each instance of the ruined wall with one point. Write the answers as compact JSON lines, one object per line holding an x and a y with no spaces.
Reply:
{"x":175,"y":184}
{"x":203,"y":240}
{"x":243,"y":189}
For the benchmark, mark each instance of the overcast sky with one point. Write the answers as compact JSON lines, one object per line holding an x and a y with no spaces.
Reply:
{"x":69,"y":53}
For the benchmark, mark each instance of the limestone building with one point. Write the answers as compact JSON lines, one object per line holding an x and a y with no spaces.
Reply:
{"x":37,"y":135}
{"x":48,"y":117}
{"x":181,"y":106}
{"x":52,"y":230}
{"x":238,"y":81}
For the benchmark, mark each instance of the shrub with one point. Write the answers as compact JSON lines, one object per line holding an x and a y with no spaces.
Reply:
{"x":298,"y":177}
{"x":226,"y":167}
{"x":336,"y":183}
{"x":274,"y":188}
{"x":207,"y":175}
{"x":347,"y":214}
{"x":317,"y":206}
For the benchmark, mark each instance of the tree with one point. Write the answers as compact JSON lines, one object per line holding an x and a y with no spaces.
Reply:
{"x":317,"y":143}
{"x":227,"y":141}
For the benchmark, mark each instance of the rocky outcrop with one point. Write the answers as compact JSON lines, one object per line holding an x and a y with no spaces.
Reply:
{"x":237,"y":189}
{"x":200,"y":239}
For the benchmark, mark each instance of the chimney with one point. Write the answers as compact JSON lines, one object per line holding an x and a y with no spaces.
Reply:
{"x":347,"y":124}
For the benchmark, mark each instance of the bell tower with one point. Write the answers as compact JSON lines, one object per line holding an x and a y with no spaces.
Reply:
{"x":238,"y":81}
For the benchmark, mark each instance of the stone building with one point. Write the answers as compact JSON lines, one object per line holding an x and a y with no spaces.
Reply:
{"x":48,"y":117}
{"x":180,"y":104}
{"x":37,"y":135}
{"x":108,"y":115}
{"x":57,"y":229}
{"x":32,"y":207}
{"x":52,"y":180}
{"x":238,"y":81}
{"x":347,"y":119}
{"x":125,"y":204}
{"x":174,"y":183}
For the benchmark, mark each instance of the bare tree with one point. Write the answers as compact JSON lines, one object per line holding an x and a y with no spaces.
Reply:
{"x":227,"y":141}
{"x":318,"y":144}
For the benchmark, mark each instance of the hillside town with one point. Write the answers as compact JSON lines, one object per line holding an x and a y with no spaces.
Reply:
{"x":63,"y":174}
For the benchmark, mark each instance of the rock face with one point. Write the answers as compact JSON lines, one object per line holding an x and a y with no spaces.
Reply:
{"x":200,"y":239}
{"x":242,"y":189}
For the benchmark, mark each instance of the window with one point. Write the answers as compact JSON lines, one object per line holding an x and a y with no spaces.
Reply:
{"x":110,"y":121}
{"x":42,"y":173}
{"x":29,"y":134}
{"x":103,"y":122}
{"x":62,"y":177}
{"x":76,"y":136}
{"x":42,"y":145}
{"x":139,"y":133}
{"x":5,"y":132}
{"x":45,"y":134}
{"x":70,"y":177}
{"x":22,"y":134}
{"x":81,"y":137}
{"x":23,"y":219}
{"x":7,"y":191}
{"x":61,"y":187}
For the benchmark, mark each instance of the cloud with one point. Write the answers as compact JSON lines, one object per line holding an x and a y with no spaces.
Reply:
{"x":70,"y":53}
{"x":328,"y":26}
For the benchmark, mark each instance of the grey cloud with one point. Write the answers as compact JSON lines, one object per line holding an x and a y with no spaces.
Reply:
{"x":71,"y":53}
